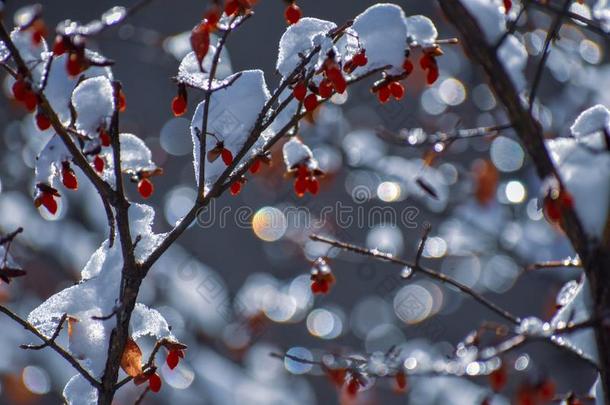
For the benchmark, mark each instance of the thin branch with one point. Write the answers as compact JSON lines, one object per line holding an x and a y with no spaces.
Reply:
{"x":550,"y":36}
{"x":422,"y":244}
{"x":53,"y":337}
{"x":10,"y":236}
{"x":566,"y":263}
{"x":51,"y":343}
{"x":589,"y":24}
{"x":207,"y":100}
{"x":142,"y":396}
{"x":418,"y":268}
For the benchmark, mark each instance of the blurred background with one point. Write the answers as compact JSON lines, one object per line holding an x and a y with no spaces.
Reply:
{"x":239,"y":290}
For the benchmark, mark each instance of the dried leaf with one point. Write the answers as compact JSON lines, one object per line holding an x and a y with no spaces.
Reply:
{"x":131,"y":361}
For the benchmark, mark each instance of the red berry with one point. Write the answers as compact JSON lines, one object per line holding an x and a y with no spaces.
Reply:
{"x":98,"y":164}
{"x":383,"y":94}
{"x":300,"y":91}
{"x":292,"y":13}
{"x":179,"y":105}
{"x":48,"y":201}
{"x":173,"y":358}
{"x":325,"y":89}
{"x":310,"y":102}
{"x":37,"y":37}
{"x":212,"y":16}
{"x":104,"y":138}
{"x":42,"y":121}
{"x":407,"y":66}
{"x":313,"y":185}
{"x":353,"y":386}
{"x":231,"y":7}
{"x":227,"y":156}
{"x":59,"y":46}
{"x":397,"y":90}
{"x":235,"y":187}
{"x":334,"y":74}
{"x":30,"y":101}
{"x":546,"y":390}
{"x":68,"y":178}
{"x":154,"y":382}
{"x":360,"y":58}
{"x":566,"y":200}
{"x":401,"y":381}
{"x":200,"y":41}
{"x":256,"y":165}
{"x":340,"y":84}
{"x":122,"y":101}
{"x":552,"y":210}
{"x":73,"y":65}
{"x":145,"y":188}
{"x":498,"y":379}
{"x":508,"y":4}
{"x":432,"y":75}
{"x":300,"y":186}
{"x":426,"y":61}
{"x":20,"y":90}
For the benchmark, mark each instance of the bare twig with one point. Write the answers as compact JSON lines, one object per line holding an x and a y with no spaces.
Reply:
{"x":422,"y":243}
{"x":52,"y":344}
{"x":418,"y":268}
{"x":546,"y":50}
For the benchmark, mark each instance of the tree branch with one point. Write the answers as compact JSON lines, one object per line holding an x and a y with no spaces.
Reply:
{"x":51,"y":343}
{"x":418,"y":268}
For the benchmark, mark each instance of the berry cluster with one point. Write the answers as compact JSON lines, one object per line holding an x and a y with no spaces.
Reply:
{"x":23,"y":93}
{"x":306,"y":180}
{"x":322,"y":278}
{"x":332,"y":80}
{"x":390,"y":86}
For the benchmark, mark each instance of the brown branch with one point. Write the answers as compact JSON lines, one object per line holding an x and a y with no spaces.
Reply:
{"x":51,"y":343}
{"x":418,"y":268}
{"x":596,"y":259}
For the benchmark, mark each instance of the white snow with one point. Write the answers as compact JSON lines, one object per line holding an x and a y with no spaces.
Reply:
{"x":147,"y":321}
{"x":298,"y":40}
{"x":296,"y":152}
{"x":93,"y":101}
{"x":421,"y":30}
{"x":49,"y":161}
{"x":584,"y":167}
{"x":596,"y":118}
{"x":489,"y":16}
{"x":232,"y":115}
{"x":191,"y":74}
{"x":382,"y":30}
{"x":96,"y":295}
{"x":135,"y":155}
{"x":60,"y":85}
{"x":578,"y":309}
{"x":79,"y":391}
